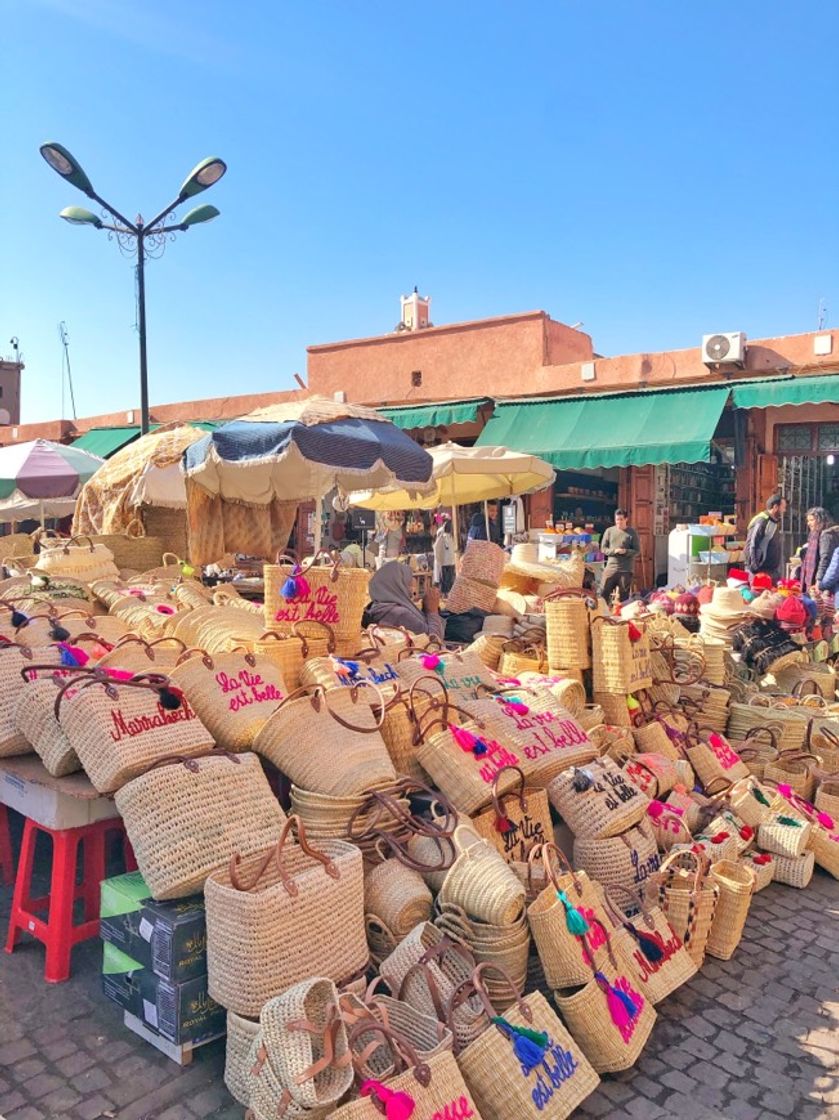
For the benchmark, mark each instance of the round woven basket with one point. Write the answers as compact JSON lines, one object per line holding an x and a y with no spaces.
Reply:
{"x":794,"y":871}
{"x":568,"y":625}
{"x":482,"y":884}
{"x":627,"y":860}
{"x":395,"y":900}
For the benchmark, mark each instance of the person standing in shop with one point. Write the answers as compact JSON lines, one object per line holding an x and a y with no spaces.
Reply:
{"x":763,"y":551}
{"x":620,"y":545}
{"x":444,"y":558}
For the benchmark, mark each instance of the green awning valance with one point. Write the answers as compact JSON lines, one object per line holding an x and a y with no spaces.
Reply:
{"x":787,"y":390}
{"x":444,"y":413}
{"x":612,"y":430}
{"x":105,"y":441}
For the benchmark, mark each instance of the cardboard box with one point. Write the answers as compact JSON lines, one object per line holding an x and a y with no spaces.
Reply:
{"x":181,"y":1013}
{"x":27,"y":786}
{"x":168,"y":938}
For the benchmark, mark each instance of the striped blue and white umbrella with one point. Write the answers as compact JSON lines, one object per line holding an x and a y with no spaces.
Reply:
{"x":302,"y":450}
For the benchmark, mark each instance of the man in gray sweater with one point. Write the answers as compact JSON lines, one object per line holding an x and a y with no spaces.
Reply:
{"x":620,"y":545}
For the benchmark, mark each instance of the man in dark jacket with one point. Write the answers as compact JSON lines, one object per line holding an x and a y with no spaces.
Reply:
{"x":620,"y":545}
{"x":763,"y":551}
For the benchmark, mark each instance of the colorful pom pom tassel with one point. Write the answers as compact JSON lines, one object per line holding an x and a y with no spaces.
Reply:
{"x":398,"y":1106}
{"x":574,"y":920}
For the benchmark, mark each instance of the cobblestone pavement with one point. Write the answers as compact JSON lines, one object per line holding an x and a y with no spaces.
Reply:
{"x":754,"y":1038}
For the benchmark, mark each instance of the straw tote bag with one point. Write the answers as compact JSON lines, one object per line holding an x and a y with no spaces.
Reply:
{"x":598,"y":800}
{"x":426,"y":1034}
{"x":400,"y":726}
{"x":186,"y":817}
{"x":328,"y":740}
{"x":545,"y":736}
{"x":288,"y":651}
{"x":609,"y":1018}
{"x":343,"y":672}
{"x":463,"y":759}
{"x":14,"y":658}
{"x":272,"y":917}
{"x":508,"y":1072}
{"x":505,"y":946}
{"x":568,"y":909}
{"x":797,"y":770}
{"x":655,"y":774}
{"x":462,"y":674}
{"x":36,"y":720}
{"x":299,"y":1062}
{"x":395,"y":900}
{"x":120,"y":729}
{"x":688,"y":898}
{"x":483,"y":885}
{"x":628,"y":860}
{"x":316,"y":592}
{"x":736,"y":886}
{"x":241,"y":1033}
{"x":659,"y":961}
{"x":429,"y":1089}
{"x":784,"y":835}
{"x":135,"y":655}
{"x":233,"y":694}
{"x":132,"y":548}
{"x":713,"y":757}
{"x":568,"y":626}
{"x":522,"y":656}
{"x":620,"y":655}
{"x":76,"y":558}
{"x":425,"y":969}
{"x":517,"y":822}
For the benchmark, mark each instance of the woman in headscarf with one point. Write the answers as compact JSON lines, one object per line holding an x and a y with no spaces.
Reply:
{"x":391,"y":603}
{"x":822,"y":543}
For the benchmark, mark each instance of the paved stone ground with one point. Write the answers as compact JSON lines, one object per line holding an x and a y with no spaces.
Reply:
{"x":754,"y":1038}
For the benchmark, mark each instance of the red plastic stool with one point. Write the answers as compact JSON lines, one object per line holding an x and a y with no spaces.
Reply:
{"x":57,"y":932}
{"x":7,"y":859}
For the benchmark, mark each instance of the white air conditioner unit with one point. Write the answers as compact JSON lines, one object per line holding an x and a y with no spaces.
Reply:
{"x":724,"y":349}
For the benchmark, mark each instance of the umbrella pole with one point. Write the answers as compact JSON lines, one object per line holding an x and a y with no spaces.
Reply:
{"x":318,"y":524}
{"x":456,"y":534}
{"x":42,"y":515}
{"x":486,"y":519}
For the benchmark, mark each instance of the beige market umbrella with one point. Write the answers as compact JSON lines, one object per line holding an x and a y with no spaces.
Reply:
{"x":464,"y":475}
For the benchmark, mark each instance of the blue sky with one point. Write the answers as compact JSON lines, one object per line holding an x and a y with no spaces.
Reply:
{"x":657,"y":170}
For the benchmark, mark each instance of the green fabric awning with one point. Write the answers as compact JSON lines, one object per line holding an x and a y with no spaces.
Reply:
{"x":437,"y":415}
{"x":612,"y":429}
{"x":787,"y":390}
{"x":105,"y":441}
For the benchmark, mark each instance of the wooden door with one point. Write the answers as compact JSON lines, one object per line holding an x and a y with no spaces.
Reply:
{"x":641,"y":490}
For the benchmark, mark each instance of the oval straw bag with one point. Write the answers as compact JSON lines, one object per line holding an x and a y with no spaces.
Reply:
{"x":509,"y":1079}
{"x":627,"y":860}
{"x":517,"y":822}
{"x":271,"y":917}
{"x":610,"y":1020}
{"x":560,"y":916}
{"x":14,"y":659}
{"x":760,"y":711}
{"x":761,"y":865}
{"x":464,"y":759}
{"x":462,"y":674}
{"x":794,"y":871}
{"x":508,"y":947}
{"x":612,"y":742}
{"x":784,"y":835}
{"x":752,"y":802}
{"x":736,"y":886}
{"x":289,"y":651}
{"x":659,"y":961}
{"x":132,"y":548}
{"x":76,"y":558}
{"x":36,"y":721}
{"x":367,"y":665}
{"x":395,"y":900}
{"x":521,"y":656}
{"x":568,"y":626}
{"x":327,"y":740}
{"x":598,"y":800}
{"x":756,"y":752}
{"x":241,"y":1033}
{"x":827,"y":797}
{"x":299,"y":1063}
{"x":482,"y":884}
{"x":309,"y":591}
{"x":567,"y":690}
{"x":489,"y":648}
{"x":401,"y":723}
{"x":620,"y":655}
{"x":797,"y":770}
{"x":118,"y":730}
{"x":654,"y":774}
{"x":135,"y":655}
{"x":683,"y":890}
{"x":185,"y":818}
{"x":233,"y":694}
{"x":669,"y":828}
{"x":713,"y":757}
{"x":424,"y":1032}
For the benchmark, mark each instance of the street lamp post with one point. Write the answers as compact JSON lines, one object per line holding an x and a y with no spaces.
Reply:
{"x":137,"y":236}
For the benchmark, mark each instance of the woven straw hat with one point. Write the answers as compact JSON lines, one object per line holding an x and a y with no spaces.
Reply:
{"x":524,"y":561}
{"x":727,"y":604}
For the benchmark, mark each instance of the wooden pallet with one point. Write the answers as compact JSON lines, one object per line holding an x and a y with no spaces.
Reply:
{"x":182,"y":1054}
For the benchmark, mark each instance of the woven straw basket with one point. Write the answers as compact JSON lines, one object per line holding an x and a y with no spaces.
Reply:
{"x":489,"y":648}
{"x":683,"y":890}
{"x":659,"y":978}
{"x":481,"y":883}
{"x":36,"y":721}
{"x":620,"y":664}
{"x":136,"y":655}
{"x":628,"y":860}
{"x":795,"y":769}
{"x":336,"y":596}
{"x":462,"y":674}
{"x":424,"y":1033}
{"x":77,"y":558}
{"x":517,"y":822}
{"x":395,"y":900}
{"x":368,"y":665}
{"x":752,"y":802}
{"x":186,"y":819}
{"x":289,"y":651}
{"x":568,"y":625}
{"x":504,"y":947}
{"x":270,"y":918}
{"x":14,"y":659}
{"x":713,"y":758}
{"x":598,"y":801}
{"x":502,"y":1087}
{"x":234,"y":694}
{"x":565,"y":686}
{"x":794,"y":871}
{"x":328,"y":741}
{"x":608,"y":1046}
{"x":736,"y":886}
{"x":784,"y":835}
{"x":120,"y":730}
{"x":763,"y":871}
{"x":132,"y":548}
{"x":400,"y":726}
{"x":241,"y":1034}
{"x":827,"y":797}
{"x":561,"y":952}
{"x":286,"y":1075}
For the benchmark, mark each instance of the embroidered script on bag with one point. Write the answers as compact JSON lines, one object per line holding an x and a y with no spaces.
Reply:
{"x":137,"y":725}
{"x":496,"y":758}
{"x":642,"y":871}
{"x":646,"y":968}
{"x":615,"y":788}
{"x":550,"y":732}
{"x":247,"y":688}
{"x":455,"y":1110}
{"x":723,"y":753}
{"x":522,"y":837}
{"x":320,"y":605}
{"x":362,"y":672}
{"x":556,"y":1067}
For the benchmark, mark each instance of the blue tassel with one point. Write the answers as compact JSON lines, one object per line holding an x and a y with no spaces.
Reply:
{"x":480,"y":748}
{"x":289,"y":588}
{"x":574,"y":920}
{"x":67,"y":658}
{"x":627,"y":1001}
{"x":19,"y":618}
{"x":528,"y":1046}
{"x":648,"y":945}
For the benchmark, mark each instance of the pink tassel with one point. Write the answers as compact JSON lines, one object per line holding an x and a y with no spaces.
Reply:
{"x":825,"y":820}
{"x":464,"y":739}
{"x":785,"y":790}
{"x":620,"y":1016}
{"x":430,"y":661}
{"x":398,"y":1106}
{"x":303,"y":589}
{"x":655,"y":809}
{"x":119,"y":674}
{"x":717,"y":741}
{"x":517,"y":706}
